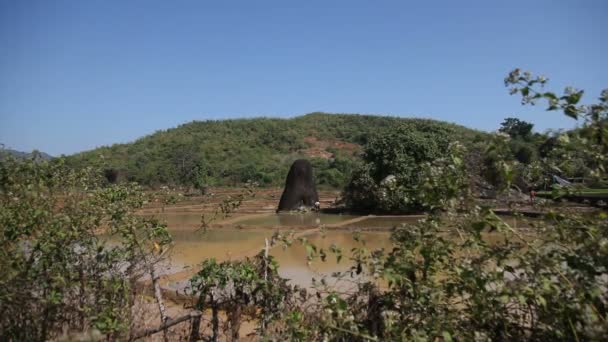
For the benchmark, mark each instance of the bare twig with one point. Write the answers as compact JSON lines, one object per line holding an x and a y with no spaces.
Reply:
{"x":192,"y":315}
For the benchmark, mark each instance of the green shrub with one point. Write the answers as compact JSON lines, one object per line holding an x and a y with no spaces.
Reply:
{"x":56,"y":272}
{"x":405,"y":169}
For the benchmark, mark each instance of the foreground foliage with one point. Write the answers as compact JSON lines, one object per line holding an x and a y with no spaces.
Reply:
{"x":56,"y":272}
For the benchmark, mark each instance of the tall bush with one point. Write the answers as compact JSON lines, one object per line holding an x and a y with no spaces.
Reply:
{"x":57,"y":272}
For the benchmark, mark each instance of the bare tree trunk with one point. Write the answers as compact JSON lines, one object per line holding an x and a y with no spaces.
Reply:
{"x":195,"y":329}
{"x":235,"y":322}
{"x":374,"y":313}
{"x":133,"y":288}
{"x":192,"y":315}
{"x":266,"y":248}
{"x":45,"y":320}
{"x":215,"y":322}
{"x":81,"y":298}
{"x":159,"y":297}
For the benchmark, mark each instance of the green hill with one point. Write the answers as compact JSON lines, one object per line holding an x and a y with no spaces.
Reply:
{"x":230,"y":152}
{"x":23,"y":155}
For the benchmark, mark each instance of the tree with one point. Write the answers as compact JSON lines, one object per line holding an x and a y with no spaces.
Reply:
{"x":516,"y":128}
{"x":199,"y":178}
{"x":401,"y":169}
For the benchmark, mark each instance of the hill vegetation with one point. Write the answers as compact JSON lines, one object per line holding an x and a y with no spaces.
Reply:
{"x":232,"y":152}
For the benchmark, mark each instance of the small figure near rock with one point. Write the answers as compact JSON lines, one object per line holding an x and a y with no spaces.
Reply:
{"x":300,"y":192}
{"x":532,"y":196}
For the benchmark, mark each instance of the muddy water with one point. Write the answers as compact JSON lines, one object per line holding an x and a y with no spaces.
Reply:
{"x":230,"y":243}
{"x":384,"y":222}
{"x":225,"y":244}
{"x":192,"y":247}
{"x":296,"y":220}
{"x":293,"y":260}
{"x":180,"y":220}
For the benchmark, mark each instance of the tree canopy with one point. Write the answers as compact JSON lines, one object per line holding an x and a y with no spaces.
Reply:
{"x":516,"y":128}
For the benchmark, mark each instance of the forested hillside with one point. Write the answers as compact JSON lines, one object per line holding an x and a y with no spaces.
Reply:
{"x":231,"y":152}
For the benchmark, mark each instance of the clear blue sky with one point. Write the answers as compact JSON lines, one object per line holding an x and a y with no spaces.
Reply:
{"x":79,"y":74}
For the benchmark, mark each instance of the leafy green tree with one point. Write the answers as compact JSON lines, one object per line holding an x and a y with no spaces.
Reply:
{"x":236,"y":286}
{"x":516,"y":128}
{"x":401,"y":166}
{"x":524,"y":153}
{"x":199,"y":178}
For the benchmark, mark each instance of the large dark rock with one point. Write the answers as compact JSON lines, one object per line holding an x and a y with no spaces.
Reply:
{"x":300,"y":190}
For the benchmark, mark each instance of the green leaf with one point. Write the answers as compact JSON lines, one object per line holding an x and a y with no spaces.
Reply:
{"x":542,"y":301}
{"x":575,"y":98}
{"x":521,"y":299}
{"x":550,"y":96}
{"x":309,"y":251}
{"x":571,"y":112}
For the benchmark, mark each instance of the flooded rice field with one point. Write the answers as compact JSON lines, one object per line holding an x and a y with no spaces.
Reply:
{"x":243,"y":235}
